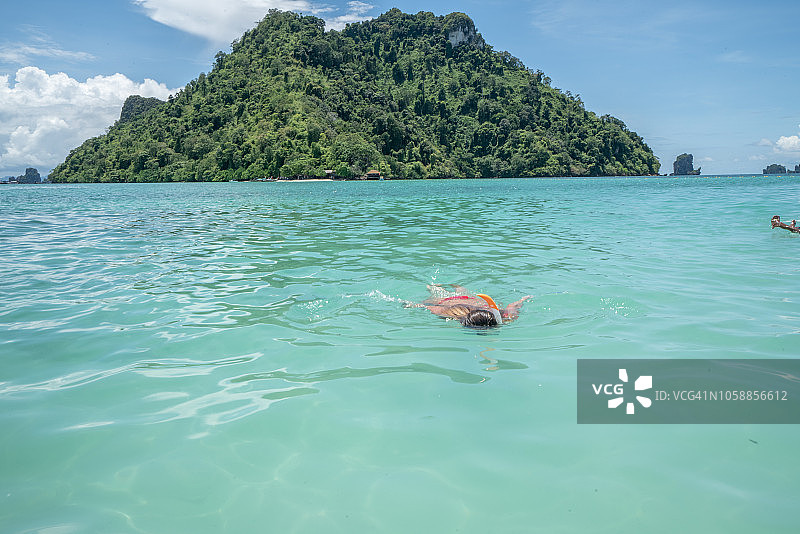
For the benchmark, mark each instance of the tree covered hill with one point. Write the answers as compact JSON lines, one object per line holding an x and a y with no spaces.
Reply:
{"x":136,"y":105}
{"x":413,"y":96}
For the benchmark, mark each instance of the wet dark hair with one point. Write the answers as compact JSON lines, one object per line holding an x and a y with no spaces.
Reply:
{"x":479,"y":319}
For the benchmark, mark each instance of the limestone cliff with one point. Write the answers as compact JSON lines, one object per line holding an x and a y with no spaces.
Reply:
{"x":684,"y":166}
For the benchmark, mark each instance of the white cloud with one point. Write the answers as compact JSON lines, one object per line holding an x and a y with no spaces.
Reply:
{"x":212,"y":19}
{"x":356,"y":11}
{"x":788,"y":144}
{"x":43,"y":116}
{"x":40,"y":45}
{"x":223,"y":22}
{"x":20,"y":53}
{"x":764,"y":142}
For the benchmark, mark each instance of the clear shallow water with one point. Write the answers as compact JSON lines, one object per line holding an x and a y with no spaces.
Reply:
{"x":236,"y":358}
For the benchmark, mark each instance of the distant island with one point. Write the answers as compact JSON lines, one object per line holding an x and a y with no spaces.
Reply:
{"x":408,"y":96}
{"x":31,"y":176}
{"x":684,"y":166}
{"x":780,"y":169}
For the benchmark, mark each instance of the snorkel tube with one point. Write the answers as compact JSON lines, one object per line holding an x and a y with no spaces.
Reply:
{"x":492,"y":307}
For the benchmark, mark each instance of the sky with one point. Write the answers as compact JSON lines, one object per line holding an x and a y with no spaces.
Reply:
{"x":717,"y":79}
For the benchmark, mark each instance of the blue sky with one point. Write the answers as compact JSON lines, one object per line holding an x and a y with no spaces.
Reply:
{"x":718,"y":79}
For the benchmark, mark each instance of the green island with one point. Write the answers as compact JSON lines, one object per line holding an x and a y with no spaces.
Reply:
{"x":409,"y":96}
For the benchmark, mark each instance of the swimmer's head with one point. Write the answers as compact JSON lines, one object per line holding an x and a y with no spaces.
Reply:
{"x":479,"y":319}
{"x":493,"y":309}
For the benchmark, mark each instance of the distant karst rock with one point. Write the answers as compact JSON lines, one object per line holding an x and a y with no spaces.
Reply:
{"x":775,"y":169}
{"x":684,"y":166}
{"x":136,"y":105}
{"x":31,"y":176}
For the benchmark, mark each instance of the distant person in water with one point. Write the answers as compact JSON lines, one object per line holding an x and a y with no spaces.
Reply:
{"x":776,"y":223}
{"x":478,"y":311}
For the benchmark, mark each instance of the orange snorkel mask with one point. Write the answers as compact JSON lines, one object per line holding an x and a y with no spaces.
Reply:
{"x":492,"y":307}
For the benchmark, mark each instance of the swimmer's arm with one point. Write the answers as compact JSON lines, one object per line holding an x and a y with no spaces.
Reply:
{"x":785,"y":226}
{"x":511,"y":311}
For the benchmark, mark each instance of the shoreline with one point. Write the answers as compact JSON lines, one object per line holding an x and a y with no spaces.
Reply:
{"x":305,"y":180}
{"x":299,"y":180}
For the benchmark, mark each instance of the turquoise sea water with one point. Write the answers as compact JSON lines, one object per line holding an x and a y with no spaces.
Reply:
{"x":236,"y":358}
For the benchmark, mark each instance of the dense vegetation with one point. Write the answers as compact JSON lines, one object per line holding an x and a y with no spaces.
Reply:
{"x":411,"y":95}
{"x":136,"y":105}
